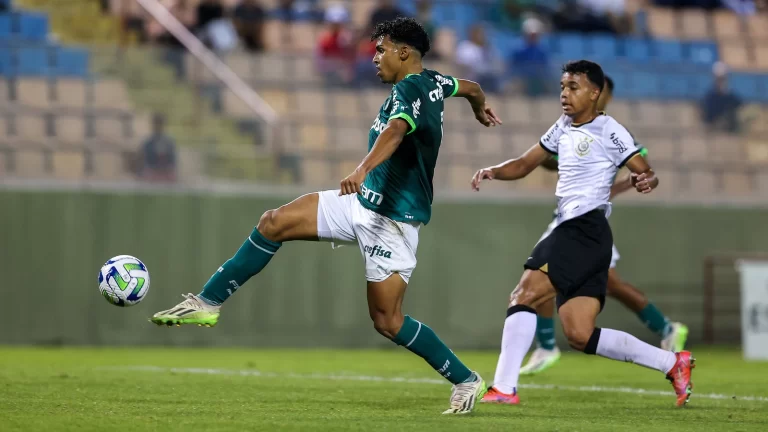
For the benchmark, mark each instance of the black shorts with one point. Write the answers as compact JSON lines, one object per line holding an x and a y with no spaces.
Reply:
{"x":576,"y":257}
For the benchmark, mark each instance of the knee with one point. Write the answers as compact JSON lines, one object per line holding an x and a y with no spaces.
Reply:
{"x":388,"y":325}
{"x":270,"y":226}
{"x":578,"y":337}
{"x":525,"y":294}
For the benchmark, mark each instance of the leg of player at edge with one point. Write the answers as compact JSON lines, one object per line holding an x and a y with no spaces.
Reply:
{"x":673,"y":335}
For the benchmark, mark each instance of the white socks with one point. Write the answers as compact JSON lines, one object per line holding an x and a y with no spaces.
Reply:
{"x":516,"y":340}
{"x":617,"y":345}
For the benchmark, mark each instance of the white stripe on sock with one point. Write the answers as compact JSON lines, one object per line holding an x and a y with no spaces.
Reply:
{"x":416,"y":335}
{"x":249,"y":239}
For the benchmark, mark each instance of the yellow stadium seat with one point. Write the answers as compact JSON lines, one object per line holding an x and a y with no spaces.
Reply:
{"x":277,"y":99}
{"x":728,"y":148}
{"x":702,"y":183}
{"x":29,"y":163}
{"x":33,"y":92}
{"x":489,"y":142}
{"x":69,"y":165}
{"x":621,"y":111}
{"x":235,"y":106}
{"x":737,"y":183}
{"x":346,"y":105}
{"x":110,"y":94}
{"x":694,"y":148}
{"x":31,"y":127}
{"x":4,"y":94}
{"x":758,"y":27}
{"x":314,"y":137}
{"x":241,"y":64}
{"x":662,"y":23}
{"x":461,"y":174}
{"x":70,"y":93}
{"x":317,"y":173}
{"x":694,"y":24}
{"x":70,"y":129}
{"x":735,"y":53}
{"x":727,"y":25}
{"x":109,"y":129}
{"x":350,"y":138}
{"x":109,"y":165}
{"x":757,"y":151}
{"x":516,"y":111}
{"x":761,"y":57}
{"x":310,"y":103}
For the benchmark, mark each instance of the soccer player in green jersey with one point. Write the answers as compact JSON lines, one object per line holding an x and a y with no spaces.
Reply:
{"x":673,"y":334}
{"x":380,"y":206}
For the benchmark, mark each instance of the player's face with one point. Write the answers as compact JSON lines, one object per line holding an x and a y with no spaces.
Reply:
{"x":577,"y":94}
{"x":387,"y":59}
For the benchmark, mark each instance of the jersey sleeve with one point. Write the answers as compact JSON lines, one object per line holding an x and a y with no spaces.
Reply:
{"x":619,"y":144}
{"x":550,"y":139}
{"x":406,"y":104}
{"x":449,"y":84}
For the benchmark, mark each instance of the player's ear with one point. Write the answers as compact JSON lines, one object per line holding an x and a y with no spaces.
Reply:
{"x":405,"y":52}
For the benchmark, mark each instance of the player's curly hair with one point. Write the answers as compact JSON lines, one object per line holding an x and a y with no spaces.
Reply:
{"x":404,"y":30}
{"x":592,"y":70}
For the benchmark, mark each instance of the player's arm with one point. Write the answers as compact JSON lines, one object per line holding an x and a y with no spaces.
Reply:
{"x":623,"y":183}
{"x":550,"y":164}
{"x":642,"y":177}
{"x":512,"y":169}
{"x":386,"y":144}
{"x":473,"y":93}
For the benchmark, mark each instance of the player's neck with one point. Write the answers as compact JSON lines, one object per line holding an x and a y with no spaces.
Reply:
{"x":585,"y":117}
{"x":409,"y":70}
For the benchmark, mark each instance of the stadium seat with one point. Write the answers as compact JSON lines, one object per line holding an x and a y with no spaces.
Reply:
{"x":694,"y":148}
{"x":304,"y":36}
{"x":351,"y":139}
{"x":373,"y":99}
{"x":674,"y":86}
{"x":109,"y":129}
{"x":455,"y":146}
{"x":68,"y":165}
{"x":273,"y":69}
{"x":70,"y":129}
{"x":761,"y":58}
{"x":275,"y":34}
{"x":29,"y":163}
{"x":32,"y":62}
{"x":571,"y":44}
{"x":303,"y":69}
{"x":5,"y":26}
{"x":744,"y":85}
{"x":314,"y":137}
{"x":643,"y":85}
{"x":361,"y":12}
{"x":110,"y":93}
{"x":277,"y":99}
{"x":310,"y":103}
{"x":72,"y":62}
{"x":651,"y":114}
{"x":317,"y":173}
{"x":735,"y":54}
{"x":662,"y":23}
{"x":33,"y":27}
{"x":108,"y":165}
{"x":603,"y":47}
{"x":737,"y":183}
{"x":694,"y":24}
{"x":546,"y":111}
{"x":31,"y":127}
{"x":33,"y":92}
{"x":6,"y":63}
{"x":516,"y":110}
{"x":757,"y":151}
{"x":240,"y":65}
{"x":702,"y":52}
{"x":233,"y":105}
{"x":758,"y":26}
{"x":140,"y":127}
{"x":727,"y":148}
{"x":489,"y":142}
{"x":70,"y":93}
{"x":667,"y":51}
{"x":345,"y":104}
{"x":727,"y":25}
{"x":688,"y":115}
{"x":671,"y":182}
{"x":460,"y":176}
{"x":637,"y":50}
{"x":703,"y":183}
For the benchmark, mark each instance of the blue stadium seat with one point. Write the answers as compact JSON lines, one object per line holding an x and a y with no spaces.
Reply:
{"x":702,"y":52}
{"x":621,"y":82}
{"x":32,"y":61}
{"x":70,"y":61}
{"x":603,"y":47}
{"x":674,"y":86}
{"x":5,"y":61}
{"x":637,"y":49}
{"x":33,"y":26}
{"x":744,"y":85}
{"x":571,"y":45}
{"x":5,"y":26}
{"x":644,"y":85}
{"x":459,"y":16}
{"x":668,"y":51}
{"x":699,"y":84}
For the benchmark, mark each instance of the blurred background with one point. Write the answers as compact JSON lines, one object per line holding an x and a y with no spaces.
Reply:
{"x":163,"y":129}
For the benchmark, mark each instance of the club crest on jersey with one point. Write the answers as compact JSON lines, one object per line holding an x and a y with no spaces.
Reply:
{"x":582,"y":146}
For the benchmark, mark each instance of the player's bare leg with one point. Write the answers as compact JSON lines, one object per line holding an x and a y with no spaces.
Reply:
{"x":296,"y":220}
{"x":385,"y":300}
{"x":546,"y":353}
{"x":578,"y":316}
{"x":534,"y":290}
{"x":673,"y":334}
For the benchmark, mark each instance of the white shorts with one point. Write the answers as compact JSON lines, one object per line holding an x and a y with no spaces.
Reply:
{"x":387,"y":246}
{"x":615,"y":257}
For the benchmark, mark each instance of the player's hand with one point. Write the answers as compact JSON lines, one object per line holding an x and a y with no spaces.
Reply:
{"x":642,"y":182}
{"x":487,"y":117}
{"x":351,"y":184}
{"x":483,"y":174}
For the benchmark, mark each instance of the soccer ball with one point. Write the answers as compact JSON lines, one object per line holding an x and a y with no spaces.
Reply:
{"x":124,"y":280}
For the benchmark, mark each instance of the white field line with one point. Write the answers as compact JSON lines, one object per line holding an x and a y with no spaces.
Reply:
{"x":343,"y":377}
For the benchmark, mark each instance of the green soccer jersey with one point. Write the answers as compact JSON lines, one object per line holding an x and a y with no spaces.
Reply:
{"x":401,"y":187}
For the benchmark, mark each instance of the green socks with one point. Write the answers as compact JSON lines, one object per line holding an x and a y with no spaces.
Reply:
{"x":249,"y":260}
{"x":654,"y":320}
{"x":422,"y":341}
{"x":545,"y":332}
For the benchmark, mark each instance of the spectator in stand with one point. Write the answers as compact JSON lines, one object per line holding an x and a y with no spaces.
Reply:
{"x":573,"y":17}
{"x":531,"y":62}
{"x":182,"y":11}
{"x":720,"y":107}
{"x":386,"y":11}
{"x":424,"y":15}
{"x":479,"y":61}
{"x":159,"y":154}
{"x":207,"y":12}
{"x":249,"y":21}
{"x":292,"y":10}
{"x":511,"y":13}
{"x":612,"y":11}
{"x":335,"y":49}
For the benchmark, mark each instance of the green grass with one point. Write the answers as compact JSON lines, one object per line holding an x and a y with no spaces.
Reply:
{"x":95,"y":390}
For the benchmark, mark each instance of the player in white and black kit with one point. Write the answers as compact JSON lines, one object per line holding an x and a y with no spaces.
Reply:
{"x":571,"y":264}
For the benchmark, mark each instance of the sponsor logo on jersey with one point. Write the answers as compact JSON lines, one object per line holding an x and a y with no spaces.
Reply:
{"x":378,"y":125}
{"x":443,"y":80}
{"x":371,"y":195}
{"x":416,"y":105}
{"x":582,"y":146}
{"x":377,"y":250}
{"x":551,"y":133}
{"x":618,"y":143}
{"x":436,"y":94}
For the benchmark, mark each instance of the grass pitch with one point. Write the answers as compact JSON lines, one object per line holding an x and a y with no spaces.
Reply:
{"x":263,"y":390}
